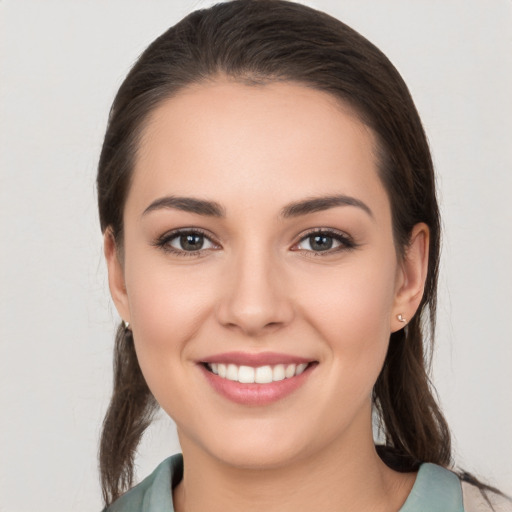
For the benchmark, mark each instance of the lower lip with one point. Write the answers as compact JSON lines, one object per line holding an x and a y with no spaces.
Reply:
{"x":256,"y":394}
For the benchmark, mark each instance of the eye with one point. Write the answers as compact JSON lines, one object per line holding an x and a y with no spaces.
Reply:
{"x":188,"y":242}
{"x":325,"y":241}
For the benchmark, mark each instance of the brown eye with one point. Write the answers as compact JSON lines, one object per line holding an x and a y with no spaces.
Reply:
{"x":185,"y":243}
{"x":189,"y":242}
{"x":325,"y":241}
{"x":320,"y":242}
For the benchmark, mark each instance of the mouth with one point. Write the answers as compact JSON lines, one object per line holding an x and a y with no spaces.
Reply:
{"x":259,"y":374}
{"x":256,"y":379}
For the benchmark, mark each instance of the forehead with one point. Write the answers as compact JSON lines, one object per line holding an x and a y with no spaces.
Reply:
{"x":235,"y":140}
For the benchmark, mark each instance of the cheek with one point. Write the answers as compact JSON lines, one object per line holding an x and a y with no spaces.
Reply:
{"x":168,"y":309}
{"x":351,"y":307}
{"x":168,"y":305}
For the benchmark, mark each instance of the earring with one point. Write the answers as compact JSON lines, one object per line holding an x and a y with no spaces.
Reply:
{"x":401,"y":318}
{"x":126,"y":325}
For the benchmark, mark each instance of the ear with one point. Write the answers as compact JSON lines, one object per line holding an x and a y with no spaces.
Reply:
{"x":116,"y":280}
{"x":411,"y":276}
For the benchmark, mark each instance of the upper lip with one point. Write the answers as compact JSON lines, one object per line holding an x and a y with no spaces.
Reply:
{"x":255,"y":359}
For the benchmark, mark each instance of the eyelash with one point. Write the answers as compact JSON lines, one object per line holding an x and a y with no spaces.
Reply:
{"x":346,"y":242}
{"x":163,"y":242}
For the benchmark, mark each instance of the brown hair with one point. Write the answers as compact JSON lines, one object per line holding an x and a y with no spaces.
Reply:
{"x":260,"y":41}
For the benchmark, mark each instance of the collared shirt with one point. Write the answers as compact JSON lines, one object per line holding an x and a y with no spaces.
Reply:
{"x":436,"y":489}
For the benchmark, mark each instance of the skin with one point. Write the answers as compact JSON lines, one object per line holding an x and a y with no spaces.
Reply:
{"x":258,"y":286}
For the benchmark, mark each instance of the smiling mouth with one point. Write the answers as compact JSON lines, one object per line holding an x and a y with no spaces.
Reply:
{"x":257,"y":375}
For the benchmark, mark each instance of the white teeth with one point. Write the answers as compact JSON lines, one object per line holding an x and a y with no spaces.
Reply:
{"x":290,"y":370}
{"x":263,"y":375}
{"x":232,"y":372}
{"x":259,"y":375}
{"x":246,"y":374}
{"x":278,"y":372}
{"x":300,"y":368}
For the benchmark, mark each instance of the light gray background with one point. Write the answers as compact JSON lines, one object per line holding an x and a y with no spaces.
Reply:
{"x":61,"y":63}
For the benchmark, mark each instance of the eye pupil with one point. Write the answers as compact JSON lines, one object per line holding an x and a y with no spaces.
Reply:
{"x":191,"y":242}
{"x":320,"y":242}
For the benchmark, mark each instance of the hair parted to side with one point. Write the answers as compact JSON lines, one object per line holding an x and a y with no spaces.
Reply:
{"x":258,"y":42}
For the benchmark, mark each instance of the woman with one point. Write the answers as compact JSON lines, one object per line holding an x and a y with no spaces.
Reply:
{"x":271,"y":229}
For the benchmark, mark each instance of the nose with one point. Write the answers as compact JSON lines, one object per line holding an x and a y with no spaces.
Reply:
{"x":255,"y":299}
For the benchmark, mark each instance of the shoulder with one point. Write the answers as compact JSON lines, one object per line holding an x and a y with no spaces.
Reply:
{"x":154,"y":493}
{"x":476,"y":500}
{"x":438,"y":489}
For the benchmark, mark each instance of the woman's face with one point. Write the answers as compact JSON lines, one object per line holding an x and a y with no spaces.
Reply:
{"x":257,"y":242}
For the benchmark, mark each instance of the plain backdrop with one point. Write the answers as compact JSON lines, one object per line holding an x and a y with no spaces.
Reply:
{"x":61,"y":63}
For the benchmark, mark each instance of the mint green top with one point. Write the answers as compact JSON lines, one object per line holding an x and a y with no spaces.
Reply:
{"x":436,"y":490}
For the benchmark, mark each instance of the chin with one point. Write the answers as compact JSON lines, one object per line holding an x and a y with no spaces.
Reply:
{"x":252,"y":446}
{"x":271,"y":456}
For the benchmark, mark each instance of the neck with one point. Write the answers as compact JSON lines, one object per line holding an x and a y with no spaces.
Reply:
{"x":348,"y":476}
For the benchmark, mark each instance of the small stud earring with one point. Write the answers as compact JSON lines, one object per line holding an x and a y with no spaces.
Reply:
{"x":126,"y":325}
{"x":401,"y":318}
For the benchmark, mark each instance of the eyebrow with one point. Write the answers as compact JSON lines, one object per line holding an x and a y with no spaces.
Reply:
{"x":187,"y":204}
{"x":318,"y":204}
{"x":295,"y":209}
